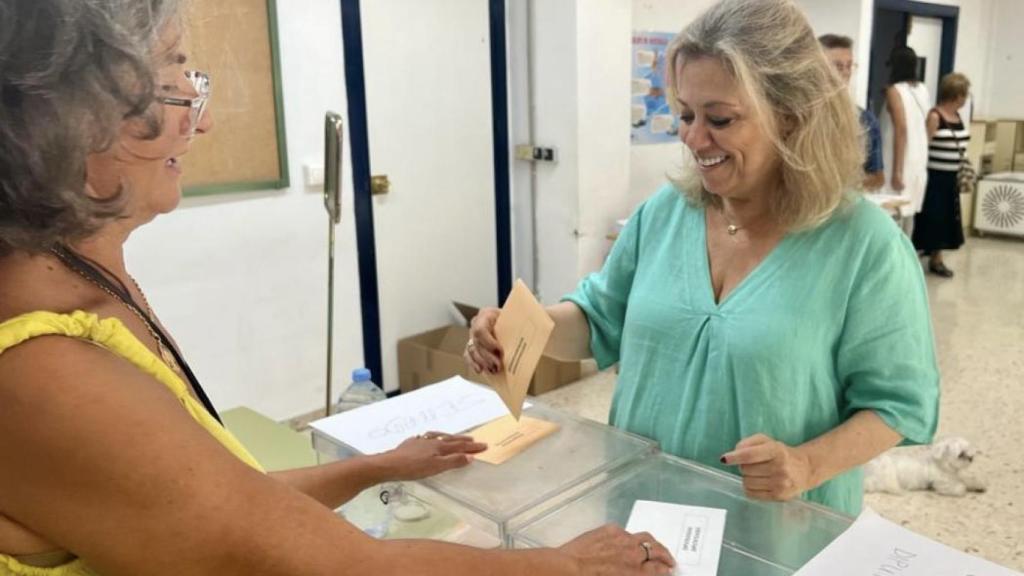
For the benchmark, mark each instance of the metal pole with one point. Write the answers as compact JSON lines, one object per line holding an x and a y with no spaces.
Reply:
{"x":330,"y":319}
{"x":333,"y":134}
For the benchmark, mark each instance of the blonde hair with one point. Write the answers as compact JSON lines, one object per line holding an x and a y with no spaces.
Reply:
{"x":953,"y":86}
{"x":770,"y":50}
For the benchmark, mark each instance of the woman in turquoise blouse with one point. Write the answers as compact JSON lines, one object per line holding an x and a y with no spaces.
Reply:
{"x":765,"y":320}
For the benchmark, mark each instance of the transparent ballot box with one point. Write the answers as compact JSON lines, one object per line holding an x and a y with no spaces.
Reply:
{"x":761,"y":538}
{"x":492,"y":500}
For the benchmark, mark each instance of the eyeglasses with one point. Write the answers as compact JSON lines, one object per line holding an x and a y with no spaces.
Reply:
{"x":200,"y":82}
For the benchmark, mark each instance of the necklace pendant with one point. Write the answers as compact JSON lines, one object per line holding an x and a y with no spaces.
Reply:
{"x":732,"y":229}
{"x":168,"y":358}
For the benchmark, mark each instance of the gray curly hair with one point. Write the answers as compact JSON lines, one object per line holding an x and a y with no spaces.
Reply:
{"x":71,"y":71}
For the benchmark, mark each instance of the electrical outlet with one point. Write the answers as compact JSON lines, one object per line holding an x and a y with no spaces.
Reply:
{"x":314,"y":174}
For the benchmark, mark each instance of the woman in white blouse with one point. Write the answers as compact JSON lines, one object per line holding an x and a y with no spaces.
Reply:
{"x":904,"y":137}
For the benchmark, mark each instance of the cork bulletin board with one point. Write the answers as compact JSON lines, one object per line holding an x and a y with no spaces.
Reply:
{"x":235,"y":42}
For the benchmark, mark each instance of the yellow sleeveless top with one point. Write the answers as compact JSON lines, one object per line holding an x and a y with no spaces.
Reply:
{"x":111,"y":334}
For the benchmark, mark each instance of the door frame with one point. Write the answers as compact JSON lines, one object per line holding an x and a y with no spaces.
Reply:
{"x":359,"y":145}
{"x":950,"y":16}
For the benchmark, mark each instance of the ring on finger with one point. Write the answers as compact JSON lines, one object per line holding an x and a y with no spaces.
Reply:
{"x":647,"y":551}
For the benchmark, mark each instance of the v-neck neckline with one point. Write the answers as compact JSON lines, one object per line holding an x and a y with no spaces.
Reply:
{"x":767,"y":264}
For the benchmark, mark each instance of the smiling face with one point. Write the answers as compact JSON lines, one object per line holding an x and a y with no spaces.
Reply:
{"x":735,"y":156}
{"x":145,"y":157}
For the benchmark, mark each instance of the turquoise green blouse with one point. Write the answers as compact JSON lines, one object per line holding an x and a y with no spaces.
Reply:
{"x":833,"y":321}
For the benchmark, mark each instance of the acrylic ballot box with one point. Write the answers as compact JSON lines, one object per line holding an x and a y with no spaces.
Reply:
{"x":491,"y":501}
{"x":761,"y":538}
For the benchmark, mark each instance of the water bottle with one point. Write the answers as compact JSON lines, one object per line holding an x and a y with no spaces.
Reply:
{"x":360,"y":392}
{"x":368,"y":510}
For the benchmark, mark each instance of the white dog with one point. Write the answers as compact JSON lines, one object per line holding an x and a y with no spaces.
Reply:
{"x":939,"y":467}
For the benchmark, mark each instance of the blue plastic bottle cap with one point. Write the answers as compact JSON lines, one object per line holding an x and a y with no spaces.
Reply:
{"x":361,"y":375}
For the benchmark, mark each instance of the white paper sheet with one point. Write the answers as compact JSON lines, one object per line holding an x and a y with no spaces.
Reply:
{"x":454,"y":405}
{"x":875,"y":546}
{"x":692,"y":534}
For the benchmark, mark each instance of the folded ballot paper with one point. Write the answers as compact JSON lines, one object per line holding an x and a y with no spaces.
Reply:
{"x":692,"y":534}
{"x":874,"y":546}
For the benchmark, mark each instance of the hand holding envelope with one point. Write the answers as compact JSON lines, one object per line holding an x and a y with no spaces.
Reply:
{"x":522,"y":329}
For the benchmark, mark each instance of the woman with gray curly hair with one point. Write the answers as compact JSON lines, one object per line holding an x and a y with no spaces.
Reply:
{"x":112,"y":459}
{"x":766,"y":320}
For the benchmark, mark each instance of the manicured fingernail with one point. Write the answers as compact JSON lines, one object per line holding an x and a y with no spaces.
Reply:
{"x":722,"y":460}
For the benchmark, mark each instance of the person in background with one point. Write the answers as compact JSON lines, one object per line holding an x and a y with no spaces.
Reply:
{"x":904,"y":136}
{"x":839,"y":51}
{"x":767,"y":319}
{"x":939,"y":226}
{"x":113,"y":460}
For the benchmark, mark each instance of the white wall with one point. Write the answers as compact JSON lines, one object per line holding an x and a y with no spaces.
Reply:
{"x":556,"y":104}
{"x":650,"y":164}
{"x":580,"y":97}
{"x":429,"y":106}
{"x":847,"y":18}
{"x":973,"y":39}
{"x":605,"y":61}
{"x":240,"y":280}
{"x":1003,"y":92}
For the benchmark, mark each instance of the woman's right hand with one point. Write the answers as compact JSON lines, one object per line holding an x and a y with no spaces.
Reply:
{"x":611,"y":551}
{"x":897,"y":183}
{"x":483,"y":352}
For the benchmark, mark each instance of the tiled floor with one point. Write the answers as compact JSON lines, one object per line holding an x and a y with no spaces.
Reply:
{"x":979,"y":329}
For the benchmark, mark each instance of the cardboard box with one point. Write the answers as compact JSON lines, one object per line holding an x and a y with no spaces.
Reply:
{"x":437,"y":355}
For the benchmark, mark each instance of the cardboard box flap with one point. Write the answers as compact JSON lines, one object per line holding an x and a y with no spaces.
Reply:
{"x":465,"y":311}
{"x":454,"y":340}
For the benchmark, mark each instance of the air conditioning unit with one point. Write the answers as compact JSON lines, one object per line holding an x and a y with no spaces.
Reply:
{"x":999,"y":204}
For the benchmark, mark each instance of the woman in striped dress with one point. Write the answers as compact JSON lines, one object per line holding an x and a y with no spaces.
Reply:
{"x":938,"y":225}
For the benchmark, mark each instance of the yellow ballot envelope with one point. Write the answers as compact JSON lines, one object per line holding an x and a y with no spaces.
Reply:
{"x":522,"y":329}
{"x":505,"y":437}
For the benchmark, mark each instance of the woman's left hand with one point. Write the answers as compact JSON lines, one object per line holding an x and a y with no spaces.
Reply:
{"x":429,"y":454}
{"x":771,"y":470}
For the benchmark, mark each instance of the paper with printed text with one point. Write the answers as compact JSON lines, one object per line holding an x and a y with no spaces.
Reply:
{"x":874,"y":546}
{"x":692,"y":534}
